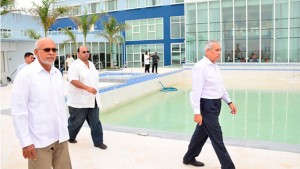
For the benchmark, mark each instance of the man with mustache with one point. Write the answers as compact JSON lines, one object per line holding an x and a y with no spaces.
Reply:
{"x":38,"y":111}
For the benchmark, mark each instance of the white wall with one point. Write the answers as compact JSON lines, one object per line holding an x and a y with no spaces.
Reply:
{"x":15,"y":58}
{"x":17,"y":22}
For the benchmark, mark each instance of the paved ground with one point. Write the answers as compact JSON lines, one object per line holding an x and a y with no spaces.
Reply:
{"x":131,"y":151}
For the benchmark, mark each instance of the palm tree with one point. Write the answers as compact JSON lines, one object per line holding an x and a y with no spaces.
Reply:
{"x":85,"y":23}
{"x":33,"y":34}
{"x":112,"y":32}
{"x":7,"y":6}
{"x":46,"y":15}
{"x":72,"y":40}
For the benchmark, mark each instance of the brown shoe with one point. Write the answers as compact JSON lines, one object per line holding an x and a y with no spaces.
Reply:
{"x":101,"y":146}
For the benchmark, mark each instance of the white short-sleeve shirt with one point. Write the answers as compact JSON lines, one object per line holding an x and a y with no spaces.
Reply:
{"x":88,"y":76}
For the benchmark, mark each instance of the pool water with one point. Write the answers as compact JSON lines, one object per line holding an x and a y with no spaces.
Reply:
{"x":262,"y":115}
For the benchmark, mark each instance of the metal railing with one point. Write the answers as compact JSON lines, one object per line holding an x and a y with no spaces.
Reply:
{"x":100,"y":64}
{"x":23,"y":34}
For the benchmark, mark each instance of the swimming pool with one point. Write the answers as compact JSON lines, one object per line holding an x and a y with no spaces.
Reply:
{"x":263,"y":115}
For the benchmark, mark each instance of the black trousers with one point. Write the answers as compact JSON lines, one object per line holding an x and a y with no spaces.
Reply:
{"x":210,"y":110}
{"x":154,"y":66}
{"x":147,"y":67}
{"x":91,"y":115}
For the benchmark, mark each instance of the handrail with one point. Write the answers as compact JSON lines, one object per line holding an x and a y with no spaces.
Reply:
{"x":98,"y":64}
{"x":11,"y":76}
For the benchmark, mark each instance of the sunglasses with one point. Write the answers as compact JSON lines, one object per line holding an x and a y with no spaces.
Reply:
{"x":54,"y":50}
{"x":85,"y":52}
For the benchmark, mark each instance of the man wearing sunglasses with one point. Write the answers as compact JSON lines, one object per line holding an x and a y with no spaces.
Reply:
{"x":29,"y":58}
{"x":83,"y":98}
{"x":38,"y":111}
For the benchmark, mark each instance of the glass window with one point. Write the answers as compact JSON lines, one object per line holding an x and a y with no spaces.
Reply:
{"x":159,"y":28}
{"x":227,"y":14}
{"x":175,"y":30}
{"x":239,"y":30}
{"x":202,"y":28}
{"x":133,"y":4}
{"x":136,"y":29}
{"x":151,"y":35}
{"x":93,"y":7}
{"x":295,"y":32}
{"x":267,"y":31}
{"x":214,"y":21}
{"x":145,"y":29}
{"x":177,"y":1}
{"x":253,"y":31}
{"x":128,"y":34}
{"x":151,"y":28}
{"x":134,"y":53}
{"x":75,"y":10}
{"x":111,"y":5}
{"x":178,"y":54}
{"x":191,"y":31}
{"x":281,"y":31}
{"x":153,"y":2}
{"x":177,"y":27}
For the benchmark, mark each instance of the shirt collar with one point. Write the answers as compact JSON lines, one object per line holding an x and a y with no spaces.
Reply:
{"x":39,"y":68}
{"x":207,"y":61}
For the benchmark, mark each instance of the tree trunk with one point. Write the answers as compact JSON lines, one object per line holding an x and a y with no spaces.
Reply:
{"x":111,"y":56}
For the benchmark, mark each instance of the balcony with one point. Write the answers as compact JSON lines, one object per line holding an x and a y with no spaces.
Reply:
{"x":7,"y":34}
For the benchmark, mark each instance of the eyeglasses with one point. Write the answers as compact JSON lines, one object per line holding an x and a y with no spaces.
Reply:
{"x":85,"y":52}
{"x":54,"y":50}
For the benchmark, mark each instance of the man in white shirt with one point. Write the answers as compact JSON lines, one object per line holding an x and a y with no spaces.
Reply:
{"x":29,"y":58}
{"x":38,"y":111}
{"x":69,"y":61}
{"x":147,"y":62}
{"x":206,"y":94}
{"x":83,"y":98}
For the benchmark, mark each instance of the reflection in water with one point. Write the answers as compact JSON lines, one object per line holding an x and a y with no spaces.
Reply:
{"x":262,"y":115}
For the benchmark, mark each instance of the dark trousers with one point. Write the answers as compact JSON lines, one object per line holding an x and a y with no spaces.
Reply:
{"x":147,"y":67}
{"x":210,"y":110}
{"x":154,"y":66}
{"x":91,"y":115}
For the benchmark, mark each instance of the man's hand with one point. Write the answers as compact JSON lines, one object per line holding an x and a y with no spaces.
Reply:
{"x":80,"y":85}
{"x":198,"y":118}
{"x":91,"y":90}
{"x":233,"y":108}
{"x":29,"y":152}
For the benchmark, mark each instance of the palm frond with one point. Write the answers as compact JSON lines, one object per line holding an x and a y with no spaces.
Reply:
{"x":85,"y":22}
{"x":8,"y":6}
{"x":33,"y":34}
{"x":46,"y":15}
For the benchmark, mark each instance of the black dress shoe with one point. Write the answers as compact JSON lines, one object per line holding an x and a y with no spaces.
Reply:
{"x":72,"y":141}
{"x":194,"y":163}
{"x":101,"y":146}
